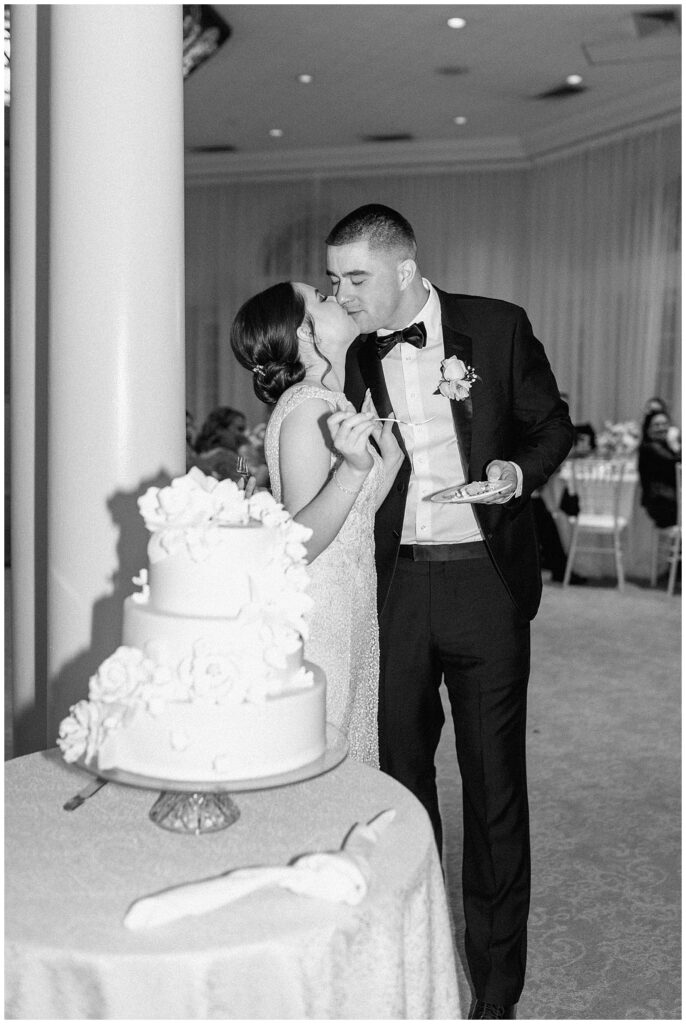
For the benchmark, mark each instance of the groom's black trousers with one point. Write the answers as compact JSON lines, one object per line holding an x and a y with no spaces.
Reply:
{"x":455,"y":620}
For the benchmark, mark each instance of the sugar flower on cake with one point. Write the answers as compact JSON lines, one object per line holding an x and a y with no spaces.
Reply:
{"x":296,"y":535}
{"x":219,"y":679}
{"x":297,"y":578}
{"x":216,"y":677}
{"x":186,"y":502}
{"x":230,"y":505}
{"x":80,"y":731}
{"x":278,"y":642}
{"x":270,"y":512}
{"x":267,"y":510}
{"x":120,"y":675}
{"x":281,"y":595}
{"x":128,"y":678}
{"x":456,"y":379}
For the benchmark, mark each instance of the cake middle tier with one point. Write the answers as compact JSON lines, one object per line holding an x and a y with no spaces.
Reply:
{"x":171,"y":638}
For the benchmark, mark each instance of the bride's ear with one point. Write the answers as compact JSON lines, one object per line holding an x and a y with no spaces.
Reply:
{"x":305,"y":332}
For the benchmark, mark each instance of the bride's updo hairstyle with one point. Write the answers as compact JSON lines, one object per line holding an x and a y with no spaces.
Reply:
{"x":264,"y":340}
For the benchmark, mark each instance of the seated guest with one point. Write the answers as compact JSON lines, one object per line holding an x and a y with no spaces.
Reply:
{"x":584,"y":440}
{"x":656,"y":404}
{"x":218,"y":442}
{"x":584,"y":444}
{"x":657,"y":470}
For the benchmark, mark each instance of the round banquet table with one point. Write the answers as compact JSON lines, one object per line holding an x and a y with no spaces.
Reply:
{"x":71,"y":876}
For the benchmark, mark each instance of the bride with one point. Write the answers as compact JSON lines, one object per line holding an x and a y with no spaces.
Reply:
{"x":326,"y":473}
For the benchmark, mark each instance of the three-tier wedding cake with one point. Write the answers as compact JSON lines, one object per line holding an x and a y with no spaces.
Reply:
{"x":209,"y":683}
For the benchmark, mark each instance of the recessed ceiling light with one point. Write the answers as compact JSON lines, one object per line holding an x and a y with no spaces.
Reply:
{"x":305,"y":79}
{"x":460,"y":119}
{"x":573,"y":79}
{"x":276,"y":133}
{"x":456,"y":23}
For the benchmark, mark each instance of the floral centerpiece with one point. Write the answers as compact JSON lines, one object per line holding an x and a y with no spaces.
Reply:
{"x":618,"y":440}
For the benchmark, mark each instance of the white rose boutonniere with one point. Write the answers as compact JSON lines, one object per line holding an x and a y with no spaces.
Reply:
{"x":456,"y":379}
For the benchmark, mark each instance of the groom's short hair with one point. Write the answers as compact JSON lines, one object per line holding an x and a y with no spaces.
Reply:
{"x":379,"y":226}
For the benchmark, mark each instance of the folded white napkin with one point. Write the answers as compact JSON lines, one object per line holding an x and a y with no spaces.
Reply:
{"x":341,"y":876}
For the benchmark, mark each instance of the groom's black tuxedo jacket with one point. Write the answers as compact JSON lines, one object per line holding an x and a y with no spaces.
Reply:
{"x":514,"y":412}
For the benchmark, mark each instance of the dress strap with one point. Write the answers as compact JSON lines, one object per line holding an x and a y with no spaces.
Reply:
{"x":302,"y":392}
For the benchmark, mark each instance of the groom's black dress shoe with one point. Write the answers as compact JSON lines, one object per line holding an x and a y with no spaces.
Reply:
{"x":491,"y":1011}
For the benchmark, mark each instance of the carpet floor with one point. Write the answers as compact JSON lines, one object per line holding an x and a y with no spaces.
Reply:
{"x":603,"y":752}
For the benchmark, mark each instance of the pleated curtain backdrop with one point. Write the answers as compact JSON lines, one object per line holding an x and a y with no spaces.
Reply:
{"x":604,"y":274}
{"x":587,"y":242}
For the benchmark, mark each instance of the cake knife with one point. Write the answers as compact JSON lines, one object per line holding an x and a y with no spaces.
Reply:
{"x":93,"y":786}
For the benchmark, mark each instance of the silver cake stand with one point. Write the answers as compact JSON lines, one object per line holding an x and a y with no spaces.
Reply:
{"x":193,"y":808}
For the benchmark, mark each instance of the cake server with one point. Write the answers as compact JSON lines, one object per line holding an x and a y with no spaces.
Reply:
{"x":93,"y":786}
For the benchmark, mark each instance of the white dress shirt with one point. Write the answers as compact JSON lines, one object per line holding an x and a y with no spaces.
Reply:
{"x":412,"y":376}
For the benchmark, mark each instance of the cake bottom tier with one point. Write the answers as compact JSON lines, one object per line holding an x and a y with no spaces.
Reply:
{"x":205,"y":743}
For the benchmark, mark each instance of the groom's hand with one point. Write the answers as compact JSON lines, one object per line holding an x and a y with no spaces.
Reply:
{"x":499,"y":471}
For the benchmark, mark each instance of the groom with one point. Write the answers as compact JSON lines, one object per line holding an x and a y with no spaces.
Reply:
{"x":457,"y":583}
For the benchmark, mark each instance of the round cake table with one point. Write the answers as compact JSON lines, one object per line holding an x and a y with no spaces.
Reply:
{"x":71,"y":876}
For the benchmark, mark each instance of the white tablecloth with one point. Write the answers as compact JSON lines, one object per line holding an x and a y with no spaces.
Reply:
{"x":70,"y":877}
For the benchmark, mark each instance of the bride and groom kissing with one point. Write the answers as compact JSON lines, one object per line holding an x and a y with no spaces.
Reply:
{"x":386,"y":392}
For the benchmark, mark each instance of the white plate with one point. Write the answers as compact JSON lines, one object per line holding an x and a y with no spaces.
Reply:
{"x":457,"y":495}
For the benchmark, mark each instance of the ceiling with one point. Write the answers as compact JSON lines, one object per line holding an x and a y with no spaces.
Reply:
{"x":389,"y":79}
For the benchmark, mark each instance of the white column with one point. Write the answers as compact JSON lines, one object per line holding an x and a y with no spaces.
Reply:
{"x":28,"y":721}
{"x":116,"y":378}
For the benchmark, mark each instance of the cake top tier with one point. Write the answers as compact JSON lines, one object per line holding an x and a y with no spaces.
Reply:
{"x":189,"y":512}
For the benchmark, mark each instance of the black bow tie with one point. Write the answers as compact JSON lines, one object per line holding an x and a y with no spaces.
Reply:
{"x":415,"y":335}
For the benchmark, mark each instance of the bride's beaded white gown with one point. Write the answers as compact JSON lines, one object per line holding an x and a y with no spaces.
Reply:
{"x":344,"y":632}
